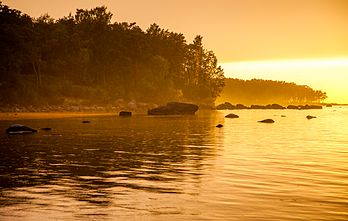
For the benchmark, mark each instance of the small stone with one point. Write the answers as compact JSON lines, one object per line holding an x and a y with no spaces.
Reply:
{"x":219,"y":125}
{"x":232,"y":116}
{"x":269,"y":121}
{"x":310,"y":117}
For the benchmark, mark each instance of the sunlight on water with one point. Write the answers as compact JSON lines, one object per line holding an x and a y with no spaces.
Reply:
{"x":179,"y":168}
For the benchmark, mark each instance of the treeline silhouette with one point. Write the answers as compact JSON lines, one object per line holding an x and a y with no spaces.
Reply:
{"x":86,"y":58}
{"x":257,"y":91}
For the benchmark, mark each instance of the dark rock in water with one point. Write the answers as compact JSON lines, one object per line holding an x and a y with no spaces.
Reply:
{"x":19,"y":129}
{"x":225,"y":106}
{"x":307,"y":107}
{"x":219,"y":125}
{"x":282,"y":116}
{"x":267,"y":121}
{"x":46,"y":128}
{"x":125,"y":114}
{"x":241,"y":106}
{"x":310,"y":117}
{"x":174,"y":108}
{"x":294,"y":107}
{"x":232,"y":116}
{"x":86,"y":122}
{"x":274,"y":106}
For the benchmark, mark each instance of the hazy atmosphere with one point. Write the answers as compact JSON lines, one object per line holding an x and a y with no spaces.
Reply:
{"x":173,"y":110}
{"x":250,"y":30}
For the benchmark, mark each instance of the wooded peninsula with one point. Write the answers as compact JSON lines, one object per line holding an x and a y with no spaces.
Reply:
{"x":258,"y":91}
{"x":85,"y":59}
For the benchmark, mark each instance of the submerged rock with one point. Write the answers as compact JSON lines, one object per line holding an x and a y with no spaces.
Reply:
{"x":232,"y":116}
{"x":86,"y":121}
{"x":46,"y":128}
{"x":310,"y":117}
{"x":125,"y":114}
{"x":174,"y":108}
{"x":267,"y":121}
{"x":19,"y":129}
{"x":219,"y":125}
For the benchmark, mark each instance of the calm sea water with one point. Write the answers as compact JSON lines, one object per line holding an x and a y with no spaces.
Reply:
{"x":178,"y":167}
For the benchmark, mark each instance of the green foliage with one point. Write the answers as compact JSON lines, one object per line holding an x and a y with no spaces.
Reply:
{"x":257,"y":91}
{"x":89,"y":58}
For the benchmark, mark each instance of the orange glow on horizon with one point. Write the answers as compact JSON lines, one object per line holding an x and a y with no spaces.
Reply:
{"x":329,"y":75}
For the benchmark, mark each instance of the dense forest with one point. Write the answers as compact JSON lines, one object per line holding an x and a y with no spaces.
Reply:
{"x":86,"y":59}
{"x":257,"y":91}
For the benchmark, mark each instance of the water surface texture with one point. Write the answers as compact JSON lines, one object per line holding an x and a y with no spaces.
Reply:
{"x":178,"y":167}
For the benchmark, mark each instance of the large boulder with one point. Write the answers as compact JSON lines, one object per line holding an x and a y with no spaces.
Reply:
{"x":225,"y":106}
{"x":125,"y":114}
{"x":19,"y":129}
{"x":174,"y":108}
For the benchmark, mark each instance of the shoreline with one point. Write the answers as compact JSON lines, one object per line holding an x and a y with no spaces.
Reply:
{"x":6,"y":116}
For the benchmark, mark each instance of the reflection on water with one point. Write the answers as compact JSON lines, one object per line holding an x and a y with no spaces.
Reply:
{"x":178,"y":168}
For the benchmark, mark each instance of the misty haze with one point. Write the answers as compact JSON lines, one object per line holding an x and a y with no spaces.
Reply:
{"x":173,"y":111}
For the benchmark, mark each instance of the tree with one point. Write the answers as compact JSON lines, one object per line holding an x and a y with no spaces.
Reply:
{"x":86,"y":57}
{"x":258,"y":91}
{"x":204,"y":79}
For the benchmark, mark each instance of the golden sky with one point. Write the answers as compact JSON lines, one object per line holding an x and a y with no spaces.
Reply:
{"x":238,"y":31}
